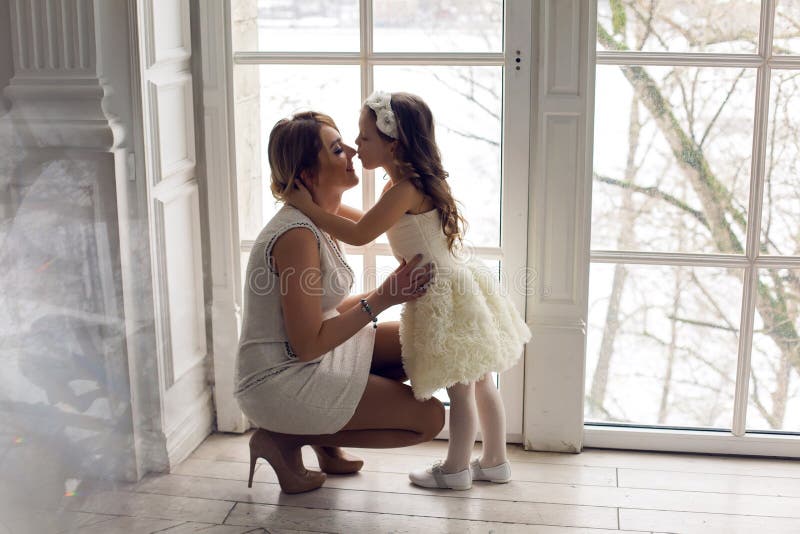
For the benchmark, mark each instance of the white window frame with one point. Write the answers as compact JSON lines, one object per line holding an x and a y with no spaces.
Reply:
{"x":218,"y":62}
{"x":738,"y":440}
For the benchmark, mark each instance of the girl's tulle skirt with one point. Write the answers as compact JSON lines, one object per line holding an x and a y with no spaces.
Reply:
{"x":461,"y":329}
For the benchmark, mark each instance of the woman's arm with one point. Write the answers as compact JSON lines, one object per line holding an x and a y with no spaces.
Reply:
{"x":350,"y":301}
{"x":297,"y":260}
{"x":387,"y":211}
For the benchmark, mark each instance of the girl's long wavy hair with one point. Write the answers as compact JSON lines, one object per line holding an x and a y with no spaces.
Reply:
{"x":419,"y":160}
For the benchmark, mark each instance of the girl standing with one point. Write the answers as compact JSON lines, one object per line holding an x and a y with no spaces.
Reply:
{"x":462,"y":329}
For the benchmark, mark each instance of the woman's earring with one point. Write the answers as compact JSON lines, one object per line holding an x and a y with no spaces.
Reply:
{"x":385,"y":176}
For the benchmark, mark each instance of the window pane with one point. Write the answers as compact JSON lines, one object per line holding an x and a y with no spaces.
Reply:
{"x":295,"y":25}
{"x":787,"y":27}
{"x":466,"y":104}
{"x":672,"y":157}
{"x":775,"y":362}
{"x":780,"y":223}
{"x":493,"y":266}
{"x":438,"y":26}
{"x":679,"y":26}
{"x":268,"y":93}
{"x":356,"y":262}
{"x":662,"y":345}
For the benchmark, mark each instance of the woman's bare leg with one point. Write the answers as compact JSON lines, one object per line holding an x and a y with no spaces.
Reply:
{"x":463,"y":427}
{"x":386,"y":356}
{"x":492,"y":415}
{"x":387,"y":416}
{"x":386,"y":362}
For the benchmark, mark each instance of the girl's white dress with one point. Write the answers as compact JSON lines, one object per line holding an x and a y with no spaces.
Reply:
{"x":464,"y":326}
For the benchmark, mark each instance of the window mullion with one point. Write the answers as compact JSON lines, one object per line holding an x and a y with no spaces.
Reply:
{"x":367,"y":176}
{"x":669,"y":258}
{"x":678,"y":59}
{"x":296,"y":58}
{"x":760,"y":123}
{"x":354,"y":58}
{"x":738,"y":425}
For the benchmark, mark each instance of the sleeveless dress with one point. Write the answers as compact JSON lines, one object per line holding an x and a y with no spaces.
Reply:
{"x":463,"y":327}
{"x":274,"y":389}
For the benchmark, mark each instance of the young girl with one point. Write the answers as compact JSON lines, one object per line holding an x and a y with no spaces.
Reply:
{"x":460,"y":331}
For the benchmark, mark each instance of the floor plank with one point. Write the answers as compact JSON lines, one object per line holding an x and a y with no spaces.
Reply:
{"x":204,"y":528}
{"x":704,"y":523}
{"x":25,"y":521}
{"x":127,"y":525}
{"x":710,"y":482}
{"x":274,"y":517}
{"x":179,"y":508}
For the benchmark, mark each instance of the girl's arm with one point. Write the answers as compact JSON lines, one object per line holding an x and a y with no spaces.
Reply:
{"x":349,"y":212}
{"x":296,"y":256}
{"x":387,"y":211}
{"x":355,"y":214}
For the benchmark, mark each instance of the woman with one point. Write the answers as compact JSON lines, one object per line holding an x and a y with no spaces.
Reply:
{"x":314,"y":367}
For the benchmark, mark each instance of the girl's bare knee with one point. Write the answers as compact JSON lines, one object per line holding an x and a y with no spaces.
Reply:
{"x":486,"y":380}
{"x":485,"y":383}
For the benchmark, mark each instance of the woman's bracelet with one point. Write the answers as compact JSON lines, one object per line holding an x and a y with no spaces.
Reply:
{"x":368,"y":311}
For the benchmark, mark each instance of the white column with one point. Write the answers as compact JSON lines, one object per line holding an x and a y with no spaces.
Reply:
{"x":77,"y":316}
{"x":561,"y":186}
{"x":56,"y":93}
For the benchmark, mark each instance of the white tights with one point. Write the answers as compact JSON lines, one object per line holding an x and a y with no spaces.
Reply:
{"x":464,"y":417}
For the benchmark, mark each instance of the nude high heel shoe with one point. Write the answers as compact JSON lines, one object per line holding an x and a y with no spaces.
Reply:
{"x":337,"y":462}
{"x":292,"y":478}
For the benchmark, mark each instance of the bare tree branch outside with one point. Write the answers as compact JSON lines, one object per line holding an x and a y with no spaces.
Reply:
{"x":675,"y":329}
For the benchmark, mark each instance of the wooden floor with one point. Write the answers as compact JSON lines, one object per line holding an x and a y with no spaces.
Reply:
{"x":595,"y":492}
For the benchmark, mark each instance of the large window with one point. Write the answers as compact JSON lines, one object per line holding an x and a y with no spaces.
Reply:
{"x":327,"y":55}
{"x":694,"y":302}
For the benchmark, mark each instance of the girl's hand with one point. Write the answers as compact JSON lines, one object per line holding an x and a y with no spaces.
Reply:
{"x":408,"y":282}
{"x":299,"y":197}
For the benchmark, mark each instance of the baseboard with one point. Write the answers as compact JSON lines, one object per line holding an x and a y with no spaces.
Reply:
{"x":191,"y":432}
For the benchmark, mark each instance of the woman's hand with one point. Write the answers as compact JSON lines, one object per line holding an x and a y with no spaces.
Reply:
{"x":408,"y":282}
{"x":299,"y":197}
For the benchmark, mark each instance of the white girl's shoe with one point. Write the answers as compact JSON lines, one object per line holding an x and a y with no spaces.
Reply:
{"x":499,"y":474}
{"x":434,"y":477}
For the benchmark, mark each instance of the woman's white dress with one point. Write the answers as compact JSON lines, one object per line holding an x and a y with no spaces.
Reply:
{"x":464,"y":326}
{"x":275,"y":390}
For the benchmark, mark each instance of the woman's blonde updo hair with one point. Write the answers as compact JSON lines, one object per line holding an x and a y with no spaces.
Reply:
{"x":294,"y":146}
{"x":418,"y":158}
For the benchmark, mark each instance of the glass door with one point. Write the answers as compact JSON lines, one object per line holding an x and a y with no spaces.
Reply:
{"x":460,"y":56}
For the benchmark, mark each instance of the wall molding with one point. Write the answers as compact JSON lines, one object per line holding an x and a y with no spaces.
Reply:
{"x":57,"y":95}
